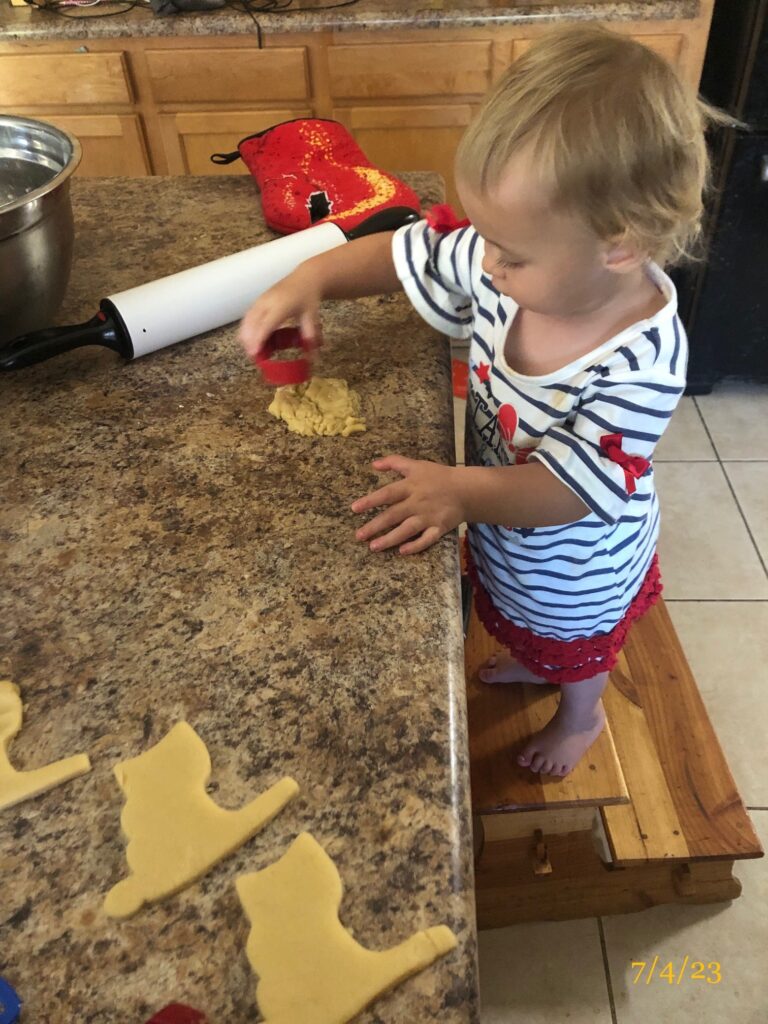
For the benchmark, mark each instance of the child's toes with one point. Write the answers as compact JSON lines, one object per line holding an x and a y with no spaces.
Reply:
{"x":536,"y":762}
{"x":488,"y":672}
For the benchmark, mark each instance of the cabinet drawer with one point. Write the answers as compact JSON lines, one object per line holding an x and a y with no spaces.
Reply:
{"x":228,"y":76}
{"x":409,"y":69}
{"x":63,"y":79}
{"x":190,"y":138}
{"x":113,"y":144}
{"x":410,"y":137}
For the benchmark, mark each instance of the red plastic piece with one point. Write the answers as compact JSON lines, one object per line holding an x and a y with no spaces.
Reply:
{"x":177,"y":1013}
{"x":460,"y":378}
{"x":280,"y":372}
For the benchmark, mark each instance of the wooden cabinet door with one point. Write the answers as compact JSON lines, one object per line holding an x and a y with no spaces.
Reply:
{"x":412,"y":138}
{"x":113,"y":144}
{"x":190,"y":138}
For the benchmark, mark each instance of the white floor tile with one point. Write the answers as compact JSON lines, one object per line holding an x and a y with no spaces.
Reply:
{"x":750,"y":482}
{"x":685,"y":439}
{"x":734,"y":935}
{"x":726,"y":644}
{"x":736,"y":415}
{"x":704,"y":548}
{"x":547,"y":972}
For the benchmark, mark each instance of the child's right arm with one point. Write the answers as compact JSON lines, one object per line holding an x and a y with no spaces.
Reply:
{"x":361,"y":267}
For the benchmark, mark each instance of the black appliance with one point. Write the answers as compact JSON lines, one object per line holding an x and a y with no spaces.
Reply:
{"x":724,"y":301}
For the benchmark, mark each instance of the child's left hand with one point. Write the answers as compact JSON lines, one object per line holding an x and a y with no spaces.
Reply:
{"x":424,"y":505}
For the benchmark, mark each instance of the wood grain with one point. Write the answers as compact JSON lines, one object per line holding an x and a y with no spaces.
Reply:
{"x":501,"y":718}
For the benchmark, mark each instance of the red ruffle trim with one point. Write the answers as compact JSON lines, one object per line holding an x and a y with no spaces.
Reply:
{"x":563,"y":661}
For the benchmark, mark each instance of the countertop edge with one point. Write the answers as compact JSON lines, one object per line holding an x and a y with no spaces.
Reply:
{"x":142,"y":24}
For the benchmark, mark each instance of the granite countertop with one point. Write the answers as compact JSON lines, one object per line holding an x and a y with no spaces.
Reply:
{"x":171,"y":551}
{"x":308,"y":16}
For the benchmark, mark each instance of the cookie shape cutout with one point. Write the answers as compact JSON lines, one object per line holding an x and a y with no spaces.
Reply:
{"x":175,"y":831}
{"x":16,"y":786}
{"x":311,"y":970}
{"x":324,"y":406}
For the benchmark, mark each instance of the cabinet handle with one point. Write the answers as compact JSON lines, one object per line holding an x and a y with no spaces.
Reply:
{"x":764,"y":169}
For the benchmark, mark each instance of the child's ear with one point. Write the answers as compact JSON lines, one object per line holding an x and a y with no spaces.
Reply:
{"x":620,"y":256}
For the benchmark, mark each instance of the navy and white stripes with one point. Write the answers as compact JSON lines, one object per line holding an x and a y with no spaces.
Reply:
{"x":577,"y":580}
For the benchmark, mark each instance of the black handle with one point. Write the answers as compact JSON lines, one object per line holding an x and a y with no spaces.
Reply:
{"x":37,"y":346}
{"x":389,"y":219}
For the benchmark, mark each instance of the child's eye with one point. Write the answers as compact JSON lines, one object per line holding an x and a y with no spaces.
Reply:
{"x":509,"y":264}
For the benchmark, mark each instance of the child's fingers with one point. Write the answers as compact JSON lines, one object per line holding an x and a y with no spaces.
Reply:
{"x":309,"y":325}
{"x":386,"y":520}
{"x":429,"y":537}
{"x":390,"y":494}
{"x":393,"y":464}
{"x":254,"y":330}
{"x":411,"y":527}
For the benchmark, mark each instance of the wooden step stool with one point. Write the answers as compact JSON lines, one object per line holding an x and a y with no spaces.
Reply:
{"x":650,"y":815}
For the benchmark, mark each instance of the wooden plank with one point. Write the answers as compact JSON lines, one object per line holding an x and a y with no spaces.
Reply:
{"x":522,"y":824}
{"x":648,"y":828}
{"x":508,"y":891}
{"x":501,"y":718}
{"x":707,"y":804}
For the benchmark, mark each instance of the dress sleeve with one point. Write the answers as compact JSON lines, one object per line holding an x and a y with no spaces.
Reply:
{"x":436,"y":272}
{"x":603,"y":452}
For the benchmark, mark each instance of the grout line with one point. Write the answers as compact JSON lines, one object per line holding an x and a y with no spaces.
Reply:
{"x":760,"y":558}
{"x":743,"y":516}
{"x":607,"y":969}
{"x":750,"y":808}
{"x":706,"y":429}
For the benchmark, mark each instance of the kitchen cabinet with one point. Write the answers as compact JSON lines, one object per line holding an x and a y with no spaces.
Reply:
{"x":113,"y":144}
{"x":410,"y":138}
{"x":406,"y":94}
{"x":190,"y":138}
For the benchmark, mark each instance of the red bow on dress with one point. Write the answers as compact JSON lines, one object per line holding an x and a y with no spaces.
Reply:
{"x":442,"y":218}
{"x":633,"y":465}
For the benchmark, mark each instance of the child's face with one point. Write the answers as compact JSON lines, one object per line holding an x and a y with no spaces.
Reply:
{"x":546,"y":260}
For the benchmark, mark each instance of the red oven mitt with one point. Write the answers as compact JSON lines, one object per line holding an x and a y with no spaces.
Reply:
{"x":311,"y":170}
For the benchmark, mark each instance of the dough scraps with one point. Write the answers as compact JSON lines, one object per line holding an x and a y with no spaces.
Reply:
{"x":17,"y":786}
{"x":321,"y":406}
{"x":311,"y":970}
{"x":175,"y":831}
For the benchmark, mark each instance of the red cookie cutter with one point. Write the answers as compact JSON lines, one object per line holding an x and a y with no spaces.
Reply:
{"x":280,"y":372}
{"x":178,"y":1013}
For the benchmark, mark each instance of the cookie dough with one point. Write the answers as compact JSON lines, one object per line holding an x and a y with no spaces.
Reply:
{"x":323,"y":405}
{"x":175,"y":831}
{"x":311,"y":970}
{"x":17,"y":786}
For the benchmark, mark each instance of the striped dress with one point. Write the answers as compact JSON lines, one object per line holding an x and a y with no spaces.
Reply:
{"x":561,"y":598}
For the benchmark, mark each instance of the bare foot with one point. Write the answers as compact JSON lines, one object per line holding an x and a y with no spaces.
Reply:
{"x":562,"y":742}
{"x":501,"y":669}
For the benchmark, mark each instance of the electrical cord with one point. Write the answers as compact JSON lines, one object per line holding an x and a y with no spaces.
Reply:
{"x":69,"y":8}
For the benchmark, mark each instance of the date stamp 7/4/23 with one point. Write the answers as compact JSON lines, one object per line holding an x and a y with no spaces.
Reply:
{"x":708,"y":971}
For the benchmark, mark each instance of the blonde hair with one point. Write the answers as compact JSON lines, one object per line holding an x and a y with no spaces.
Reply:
{"x":619,"y":138}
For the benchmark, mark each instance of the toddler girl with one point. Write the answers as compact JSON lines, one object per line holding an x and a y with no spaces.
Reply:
{"x":581,"y":177}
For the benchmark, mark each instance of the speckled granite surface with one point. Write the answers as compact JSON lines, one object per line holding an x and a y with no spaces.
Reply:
{"x":23,"y":23}
{"x":170,"y":551}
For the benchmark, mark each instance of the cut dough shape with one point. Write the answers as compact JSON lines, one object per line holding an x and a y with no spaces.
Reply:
{"x":311,"y":970}
{"x":17,"y":786}
{"x":324,"y":406}
{"x":175,"y":831}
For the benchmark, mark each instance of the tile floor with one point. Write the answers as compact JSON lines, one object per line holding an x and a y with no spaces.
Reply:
{"x":712,"y":477}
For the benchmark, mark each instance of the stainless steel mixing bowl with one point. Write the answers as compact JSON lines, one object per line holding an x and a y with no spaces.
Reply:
{"x":36,"y":226}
